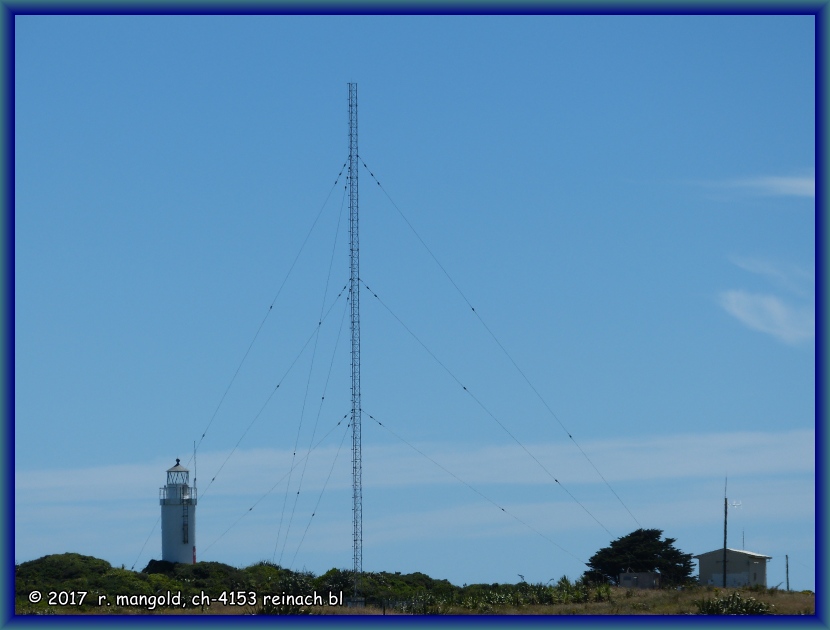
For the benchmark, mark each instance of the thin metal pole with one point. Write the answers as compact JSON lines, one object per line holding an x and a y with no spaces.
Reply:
{"x":354,"y":297}
{"x":724,"y":542}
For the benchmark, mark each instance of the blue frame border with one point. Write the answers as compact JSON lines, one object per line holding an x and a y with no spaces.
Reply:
{"x":9,"y":9}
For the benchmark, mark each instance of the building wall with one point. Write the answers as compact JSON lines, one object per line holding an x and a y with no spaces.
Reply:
{"x":639,"y":580}
{"x":741,"y":569}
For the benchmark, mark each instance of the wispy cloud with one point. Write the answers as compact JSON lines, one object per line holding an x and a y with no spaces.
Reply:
{"x":774,"y":314}
{"x":666,"y":480}
{"x":252,"y":472}
{"x":800,"y":186}
{"x":633,"y":459}
{"x":788,"y":277}
{"x":769,"y":314}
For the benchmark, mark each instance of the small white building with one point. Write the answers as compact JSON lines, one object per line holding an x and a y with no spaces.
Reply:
{"x":178,"y":517}
{"x":641,"y":579}
{"x":743,"y":568}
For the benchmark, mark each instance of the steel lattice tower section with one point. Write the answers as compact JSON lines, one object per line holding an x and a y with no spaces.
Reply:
{"x":354,"y":293}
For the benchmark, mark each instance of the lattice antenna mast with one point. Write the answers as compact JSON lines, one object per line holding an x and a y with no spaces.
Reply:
{"x":354,"y":293}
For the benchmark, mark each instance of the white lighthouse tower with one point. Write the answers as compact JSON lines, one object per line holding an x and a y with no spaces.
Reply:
{"x":178,"y":517}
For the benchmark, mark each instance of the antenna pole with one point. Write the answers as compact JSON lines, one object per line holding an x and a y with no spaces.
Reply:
{"x":354,"y":295}
{"x":724,"y":535}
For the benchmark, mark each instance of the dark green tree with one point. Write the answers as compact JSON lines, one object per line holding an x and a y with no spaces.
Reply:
{"x":641,"y":551}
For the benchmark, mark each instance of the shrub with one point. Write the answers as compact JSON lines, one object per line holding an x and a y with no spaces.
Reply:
{"x":734,"y":604}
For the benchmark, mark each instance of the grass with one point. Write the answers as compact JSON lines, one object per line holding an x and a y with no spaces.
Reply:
{"x":622,"y":602}
{"x":635,"y":602}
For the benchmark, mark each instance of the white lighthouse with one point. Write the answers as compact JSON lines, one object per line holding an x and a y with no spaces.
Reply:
{"x":178,"y":517}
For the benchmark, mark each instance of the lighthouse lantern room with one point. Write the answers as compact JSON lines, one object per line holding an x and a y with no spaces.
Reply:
{"x":178,"y":517}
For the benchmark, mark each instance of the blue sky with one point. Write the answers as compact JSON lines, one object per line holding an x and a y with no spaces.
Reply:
{"x":628,"y":203}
